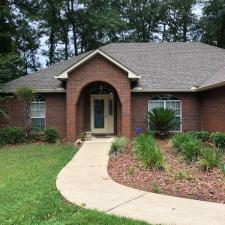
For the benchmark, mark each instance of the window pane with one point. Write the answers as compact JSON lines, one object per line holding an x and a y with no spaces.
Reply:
{"x":110,"y":107}
{"x":38,"y":123}
{"x":99,"y":113}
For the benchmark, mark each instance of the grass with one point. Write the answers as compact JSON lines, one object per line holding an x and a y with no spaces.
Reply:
{"x":118,"y":145}
{"x":148,"y":152}
{"x":28,"y":195}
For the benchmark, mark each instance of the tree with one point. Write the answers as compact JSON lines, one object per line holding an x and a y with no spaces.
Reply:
{"x":213,"y":23}
{"x":143,"y":19}
{"x":179,"y":19}
{"x":26,"y":95}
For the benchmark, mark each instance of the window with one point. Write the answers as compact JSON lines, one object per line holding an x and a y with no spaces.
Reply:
{"x":167,"y":101}
{"x":37,"y":112}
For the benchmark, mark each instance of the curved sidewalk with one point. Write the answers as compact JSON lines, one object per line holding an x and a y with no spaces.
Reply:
{"x":84,"y":181}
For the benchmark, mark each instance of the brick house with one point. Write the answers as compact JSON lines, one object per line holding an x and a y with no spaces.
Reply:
{"x":111,"y":89}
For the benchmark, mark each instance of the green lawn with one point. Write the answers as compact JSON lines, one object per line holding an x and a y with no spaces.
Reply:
{"x":28,"y":195}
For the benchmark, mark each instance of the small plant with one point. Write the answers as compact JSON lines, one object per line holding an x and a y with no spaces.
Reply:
{"x":82,"y":136}
{"x":51,"y":135}
{"x":179,"y":139}
{"x":130,"y":171}
{"x":148,"y":152}
{"x":118,"y":145}
{"x":191,"y":149}
{"x":162,"y":120}
{"x":155,"y":188}
{"x":12,"y":135}
{"x":210,"y":158}
{"x":218,"y":139}
{"x":182,"y":175}
{"x":203,"y":136}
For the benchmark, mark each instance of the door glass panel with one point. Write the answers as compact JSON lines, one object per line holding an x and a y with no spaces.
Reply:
{"x":99,"y":113}
{"x":110,"y":107}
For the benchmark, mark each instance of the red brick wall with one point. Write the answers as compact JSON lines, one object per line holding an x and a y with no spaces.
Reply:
{"x":97,"y":69}
{"x":190,"y":110}
{"x":55,"y":112}
{"x":4,"y":121}
{"x":212,"y":104}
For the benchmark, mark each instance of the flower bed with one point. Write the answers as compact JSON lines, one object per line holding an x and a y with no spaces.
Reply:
{"x":178,"y":178}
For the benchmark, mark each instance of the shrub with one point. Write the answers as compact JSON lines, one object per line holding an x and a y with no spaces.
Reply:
{"x":179,"y":139}
{"x":191,"y":149}
{"x":12,"y":135}
{"x":218,"y":139}
{"x":148,"y":152}
{"x":118,"y":145}
{"x":51,"y":135}
{"x":162,"y":120}
{"x":210,"y":158}
{"x":203,"y":136}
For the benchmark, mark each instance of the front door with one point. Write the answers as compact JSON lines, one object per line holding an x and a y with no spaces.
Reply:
{"x":102,"y":114}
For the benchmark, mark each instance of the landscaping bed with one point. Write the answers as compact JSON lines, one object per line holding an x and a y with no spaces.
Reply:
{"x":177,"y":178}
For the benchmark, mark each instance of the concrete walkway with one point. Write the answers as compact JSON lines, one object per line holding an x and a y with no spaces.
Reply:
{"x":84,"y":181}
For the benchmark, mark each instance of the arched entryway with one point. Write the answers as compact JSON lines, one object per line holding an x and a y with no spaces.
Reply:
{"x":99,"y":109}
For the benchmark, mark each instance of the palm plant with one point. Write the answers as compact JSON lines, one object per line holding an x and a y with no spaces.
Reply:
{"x":162,"y":121}
{"x":26,"y":95}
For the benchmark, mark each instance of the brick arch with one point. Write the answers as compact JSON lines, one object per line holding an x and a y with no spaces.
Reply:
{"x":97,"y":69}
{"x":80,"y":90}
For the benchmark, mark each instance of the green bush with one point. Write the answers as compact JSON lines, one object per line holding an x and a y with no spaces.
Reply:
{"x":179,"y":139}
{"x":118,"y":145}
{"x":148,"y":152}
{"x":210,"y":158}
{"x":12,"y":135}
{"x":162,"y":121}
{"x":203,"y":136}
{"x":218,"y":139}
{"x":191,"y":149}
{"x":188,"y":145}
{"x":51,"y":135}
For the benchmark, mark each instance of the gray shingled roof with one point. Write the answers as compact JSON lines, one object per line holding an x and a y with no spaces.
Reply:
{"x":162,"y":66}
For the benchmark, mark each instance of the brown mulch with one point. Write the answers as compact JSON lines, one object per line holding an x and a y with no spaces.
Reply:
{"x":177,"y":179}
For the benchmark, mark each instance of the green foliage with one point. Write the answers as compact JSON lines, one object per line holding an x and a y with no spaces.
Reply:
{"x":118,"y":145}
{"x":188,"y":145}
{"x":51,"y":135}
{"x":179,"y":139}
{"x":218,"y":139}
{"x":203,"y":136}
{"x":191,"y":149}
{"x":148,"y":152}
{"x":212,"y":23}
{"x":155,"y":188}
{"x":12,"y":135}
{"x":210,"y":158}
{"x":28,"y":192}
{"x":162,"y":120}
{"x":11,"y":67}
{"x":25,"y":94}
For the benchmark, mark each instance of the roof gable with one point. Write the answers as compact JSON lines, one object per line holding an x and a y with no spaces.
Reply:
{"x":64,"y":75}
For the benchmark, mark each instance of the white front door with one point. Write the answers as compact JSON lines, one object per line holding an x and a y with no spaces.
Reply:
{"x":102,"y":114}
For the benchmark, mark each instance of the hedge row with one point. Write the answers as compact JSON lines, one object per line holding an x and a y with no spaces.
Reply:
{"x":16,"y":135}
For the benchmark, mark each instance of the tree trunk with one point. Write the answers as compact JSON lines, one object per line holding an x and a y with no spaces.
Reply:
{"x":52,"y":47}
{"x":74,"y":28}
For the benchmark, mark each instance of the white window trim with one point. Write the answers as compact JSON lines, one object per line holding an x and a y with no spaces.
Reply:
{"x":35,"y":102}
{"x":164,"y":106}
